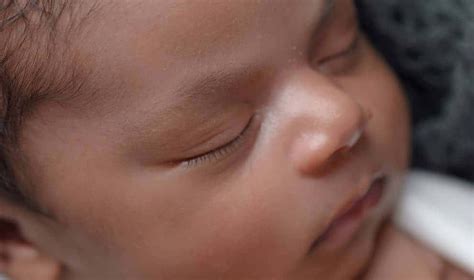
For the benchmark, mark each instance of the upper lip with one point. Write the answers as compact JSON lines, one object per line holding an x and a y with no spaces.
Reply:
{"x":362,"y":189}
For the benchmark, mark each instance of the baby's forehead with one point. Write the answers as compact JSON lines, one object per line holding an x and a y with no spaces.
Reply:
{"x":116,"y":41}
{"x":179,"y":25}
{"x":159,"y":35}
{"x":106,"y":44}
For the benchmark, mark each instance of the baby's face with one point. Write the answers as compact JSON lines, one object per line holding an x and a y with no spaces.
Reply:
{"x":221,"y":141}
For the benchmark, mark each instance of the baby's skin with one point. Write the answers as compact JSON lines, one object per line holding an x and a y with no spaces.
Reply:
{"x":397,"y":258}
{"x":216,"y":139}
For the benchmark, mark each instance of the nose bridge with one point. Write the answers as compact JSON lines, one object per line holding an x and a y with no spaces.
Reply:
{"x":329,"y":121}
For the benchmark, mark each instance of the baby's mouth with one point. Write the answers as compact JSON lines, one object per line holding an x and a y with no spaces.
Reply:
{"x":349,"y":221}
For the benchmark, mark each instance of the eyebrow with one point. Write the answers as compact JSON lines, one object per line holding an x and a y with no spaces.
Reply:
{"x":217,"y":83}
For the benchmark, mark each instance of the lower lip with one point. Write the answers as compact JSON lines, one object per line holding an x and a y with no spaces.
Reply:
{"x":343,"y":228}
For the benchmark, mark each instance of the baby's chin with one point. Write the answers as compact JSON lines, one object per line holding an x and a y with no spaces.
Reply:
{"x":352,"y":260}
{"x":347,"y":263}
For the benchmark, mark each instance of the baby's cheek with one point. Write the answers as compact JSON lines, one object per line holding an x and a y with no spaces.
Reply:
{"x":394,"y":127}
{"x":382,"y":91}
{"x":241,"y":236}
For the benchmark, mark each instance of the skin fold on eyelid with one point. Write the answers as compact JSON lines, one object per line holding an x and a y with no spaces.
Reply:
{"x":190,"y":134}
{"x":221,"y":151}
{"x":343,"y":61}
{"x":346,"y":51}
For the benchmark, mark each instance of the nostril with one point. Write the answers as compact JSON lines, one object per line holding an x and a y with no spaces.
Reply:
{"x":336,"y":158}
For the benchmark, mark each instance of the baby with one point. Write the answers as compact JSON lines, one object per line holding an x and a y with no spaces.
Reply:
{"x":203,"y":139}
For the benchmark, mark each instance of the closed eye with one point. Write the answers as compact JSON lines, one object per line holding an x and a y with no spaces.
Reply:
{"x":221,"y":151}
{"x":341,"y":62}
{"x":345,"y":52}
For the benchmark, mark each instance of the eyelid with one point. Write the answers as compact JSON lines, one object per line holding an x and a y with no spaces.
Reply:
{"x":343,"y":61}
{"x":352,"y":47}
{"x":221,"y":151}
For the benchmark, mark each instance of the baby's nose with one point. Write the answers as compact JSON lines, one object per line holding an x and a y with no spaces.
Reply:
{"x":315,"y":150}
{"x":320,"y":142}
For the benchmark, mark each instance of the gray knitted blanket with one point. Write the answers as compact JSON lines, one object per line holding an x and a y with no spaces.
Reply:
{"x":431,"y":46}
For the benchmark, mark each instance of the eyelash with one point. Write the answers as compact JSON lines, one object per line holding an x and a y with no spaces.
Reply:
{"x":351,"y":49}
{"x":327,"y":62}
{"x":221,"y":151}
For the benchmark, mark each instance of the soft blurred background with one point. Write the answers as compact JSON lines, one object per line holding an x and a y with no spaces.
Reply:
{"x":431,"y":46}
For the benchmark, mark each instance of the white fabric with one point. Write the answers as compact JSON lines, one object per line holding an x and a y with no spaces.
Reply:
{"x":439,"y":211}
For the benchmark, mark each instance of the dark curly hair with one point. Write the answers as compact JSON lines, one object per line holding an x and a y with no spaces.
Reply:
{"x":35,"y":65}
{"x":16,"y":30}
